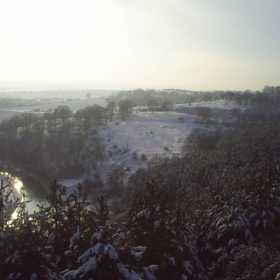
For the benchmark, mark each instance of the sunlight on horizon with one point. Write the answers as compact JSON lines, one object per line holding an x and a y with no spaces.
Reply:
{"x":191,"y":44}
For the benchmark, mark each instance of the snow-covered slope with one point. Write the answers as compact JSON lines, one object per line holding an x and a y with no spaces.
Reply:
{"x":156,"y":136}
{"x":147,"y":133}
{"x":143,"y":133}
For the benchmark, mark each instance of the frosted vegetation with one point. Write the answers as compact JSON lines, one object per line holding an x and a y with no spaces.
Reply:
{"x":192,"y":182}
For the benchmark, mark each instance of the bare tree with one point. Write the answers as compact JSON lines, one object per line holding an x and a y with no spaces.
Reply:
{"x":152,"y":104}
{"x":76,"y":147}
{"x":84,"y":120}
{"x":122,"y":109}
{"x":51,"y":121}
{"x":115,"y":176}
{"x":166,"y":106}
{"x":106,"y":114}
{"x":99,"y":149}
{"x":96,"y":114}
{"x":111,"y":106}
{"x":56,"y":148}
{"x":63,"y":112}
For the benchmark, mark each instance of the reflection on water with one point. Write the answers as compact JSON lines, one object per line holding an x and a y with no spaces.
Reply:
{"x":29,"y":190}
{"x":18,"y":185}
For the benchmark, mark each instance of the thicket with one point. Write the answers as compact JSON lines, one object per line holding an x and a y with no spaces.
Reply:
{"x":141,"y":97}
{"x":231,"y":195}
{"x":58,"y":144}
{"x":71,"y":239}
{"x":203,"y":140}
{"x":208,"y":215}
{"x":261,"y":102}
{"x":268,"y":97}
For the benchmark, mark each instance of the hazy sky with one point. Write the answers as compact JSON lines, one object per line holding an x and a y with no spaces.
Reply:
{"x":192,"y":44}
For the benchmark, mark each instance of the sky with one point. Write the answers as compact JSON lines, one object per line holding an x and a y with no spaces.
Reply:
{"x":190,"y":44}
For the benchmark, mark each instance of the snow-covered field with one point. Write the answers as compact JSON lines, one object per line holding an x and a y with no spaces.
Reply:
{"x":217,"y":104}
{"x":220,"y":109}
{"x":149,"y":134}
{"x":53,"y":94}
{"x":156,"y":135}
{"x":74,"y":105}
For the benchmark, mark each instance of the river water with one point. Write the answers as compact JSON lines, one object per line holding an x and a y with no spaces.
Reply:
{"x":34,"y":192}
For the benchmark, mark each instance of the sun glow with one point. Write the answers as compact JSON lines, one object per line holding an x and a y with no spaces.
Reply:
{"x":195,"y":44}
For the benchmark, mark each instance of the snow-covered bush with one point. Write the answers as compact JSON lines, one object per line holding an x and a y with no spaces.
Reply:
{"x":98,"y":262}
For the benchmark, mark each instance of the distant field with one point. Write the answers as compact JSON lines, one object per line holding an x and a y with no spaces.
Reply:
{"x":74,"y":105}
{"x":61,"y":94}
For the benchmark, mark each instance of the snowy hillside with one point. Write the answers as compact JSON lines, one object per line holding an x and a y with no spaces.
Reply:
{"x":145,"y":137}
{"x":149,"y":134}
{"x":153,"y":134}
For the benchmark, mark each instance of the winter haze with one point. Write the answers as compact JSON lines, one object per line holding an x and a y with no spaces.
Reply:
{"x":122,"y":44}
{"x":139,"y":139}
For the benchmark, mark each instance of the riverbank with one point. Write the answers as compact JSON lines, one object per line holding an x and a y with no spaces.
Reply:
{"x":34,"y":192}
{"x":11,"y":196}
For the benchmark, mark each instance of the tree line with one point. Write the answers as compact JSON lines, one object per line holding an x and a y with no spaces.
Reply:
{"x":71,"y":239}
{"x":59,"y":143}
{"x":229,"y":191}
{"x":209,"y":215}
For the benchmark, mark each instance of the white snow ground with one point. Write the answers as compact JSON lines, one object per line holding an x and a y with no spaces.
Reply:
{"x":150,"y":134}
{"x":158,"y":134}
{"x":217,"y":104}
{"x":142,"y":133}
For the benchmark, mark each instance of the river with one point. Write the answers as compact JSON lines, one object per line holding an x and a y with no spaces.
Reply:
{"x":34,"y":192}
